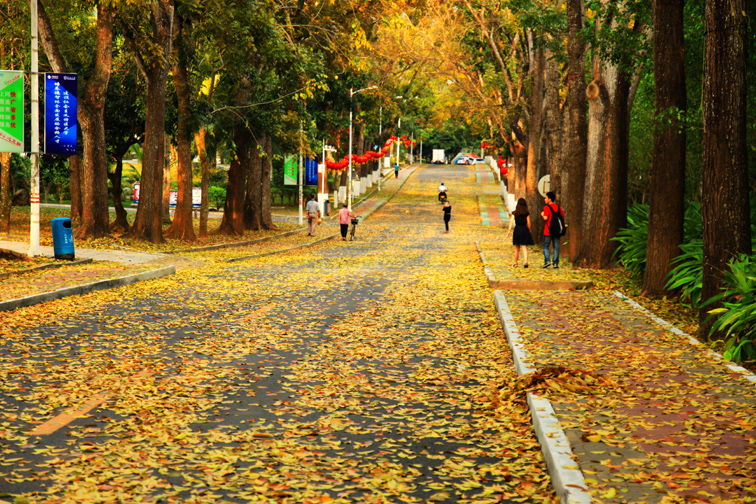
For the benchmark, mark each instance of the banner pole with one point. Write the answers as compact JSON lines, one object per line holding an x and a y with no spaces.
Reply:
{"x":300,"y":173}
{"x":34,"y":249}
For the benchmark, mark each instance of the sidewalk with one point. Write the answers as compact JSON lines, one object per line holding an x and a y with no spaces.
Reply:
{"x":648,"y":415}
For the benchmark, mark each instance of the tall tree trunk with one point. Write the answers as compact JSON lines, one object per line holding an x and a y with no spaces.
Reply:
{"x":553,"y":122}
{"x":233,"y":210}
{"x":667,"y":213}
{"x":94,"y":183}
{"x":200,"y":140}
{"x":5,"y":192}
{"x":167,"y":176}
{"x":121,"y":222}
{"x":724,"y":202}
{"x":183,"y":225}
{"x":266,"y":215}
{"x":74,"y":166}
{"x":148,"y":223}
{"x":252,"y":217}
{"x":535,"y":130}
{"x":605,"y":210}
{"x":575,"y":128}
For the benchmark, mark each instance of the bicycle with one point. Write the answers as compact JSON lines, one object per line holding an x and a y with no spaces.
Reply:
{"x":354,"y":226}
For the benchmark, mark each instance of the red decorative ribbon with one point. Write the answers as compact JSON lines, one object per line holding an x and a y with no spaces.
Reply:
{"x":340,"y":165}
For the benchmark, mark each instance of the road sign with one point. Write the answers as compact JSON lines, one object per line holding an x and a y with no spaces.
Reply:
{"x":544,"y":185}
{"x":11,"y":111}
{"x":60,"y":113}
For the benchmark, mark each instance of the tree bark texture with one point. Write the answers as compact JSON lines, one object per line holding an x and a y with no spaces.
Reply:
{"x":121,"y":222}
{"x":183,"y":225}
{"x":266,"y":215}
{"x":252,"y":212}
{"x":535,"y":143}
{"x":166,"y":195}
{"x":667,"y":209}
{"x":233,"y":210}
{"x":148,"y":224}
{"x":575,"y":131}
{"x":605,"y":210}
{"x":200,"y":140}
{"x":74,"y":166}
{"x":5,"y":192}
{"x":724,"y":201}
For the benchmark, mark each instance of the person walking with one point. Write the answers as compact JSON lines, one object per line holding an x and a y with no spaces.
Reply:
{"x":522,"y":236}
{"x":551,"y":231}
{"x":313,"y":214}
{"x":396,"y":170}
{"x":447,"y":214}
{"x":344,"y":217}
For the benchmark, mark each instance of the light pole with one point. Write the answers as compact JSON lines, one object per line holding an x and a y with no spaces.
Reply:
{"x":34,"y":249}
{"x":352,"y":92}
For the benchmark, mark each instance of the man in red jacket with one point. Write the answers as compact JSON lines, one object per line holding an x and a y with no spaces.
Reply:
{"x":548,"y":211}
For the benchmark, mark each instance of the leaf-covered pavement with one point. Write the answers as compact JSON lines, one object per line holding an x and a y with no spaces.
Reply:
{"x":346,"y":372}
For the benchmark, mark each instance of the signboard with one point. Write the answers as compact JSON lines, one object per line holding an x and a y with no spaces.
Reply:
{"x":172,"y":199}
{"x":290,"y":170}
{"x":136,"y":192}
{"x":544,"y":185}
{"x":60,"y":113}
{"x":11,"y":111}
{"x":311,"y":171}
{"x":196,"y":197}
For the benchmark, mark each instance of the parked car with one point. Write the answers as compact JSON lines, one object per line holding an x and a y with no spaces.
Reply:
{"x":464,"y":160}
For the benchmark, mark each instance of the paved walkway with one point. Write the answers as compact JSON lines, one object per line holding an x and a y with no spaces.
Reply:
{"x":120,"y":256}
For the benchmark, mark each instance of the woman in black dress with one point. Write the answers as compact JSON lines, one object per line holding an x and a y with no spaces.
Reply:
{"x":522,"y":237}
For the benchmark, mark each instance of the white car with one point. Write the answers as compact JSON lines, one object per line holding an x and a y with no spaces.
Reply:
{"x":464,"y":160}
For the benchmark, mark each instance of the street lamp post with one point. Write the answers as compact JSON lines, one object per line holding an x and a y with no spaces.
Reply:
{"x":352,"y":92}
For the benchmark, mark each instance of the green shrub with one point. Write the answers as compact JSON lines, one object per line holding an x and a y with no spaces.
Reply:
{"x":687,"y":274}
{"x":216,"y":196}
{"x":737,"y":316}
{"x":631,"y":252}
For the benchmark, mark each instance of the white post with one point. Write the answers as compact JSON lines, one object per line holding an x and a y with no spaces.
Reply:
{"x":421,"y":149}
{"x":349,"y":175}
{"x":412,"y":149}
{"x":34,"y":210}
{"x":300,"y":172}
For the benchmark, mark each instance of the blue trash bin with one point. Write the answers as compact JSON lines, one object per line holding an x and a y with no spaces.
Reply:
{"x":63,"y":243}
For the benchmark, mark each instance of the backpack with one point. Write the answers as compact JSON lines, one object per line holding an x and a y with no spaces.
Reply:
{"x":557,"y":227}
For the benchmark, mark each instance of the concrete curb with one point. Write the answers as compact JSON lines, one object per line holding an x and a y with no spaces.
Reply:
{"x":565,"y":474}
{"x":43,"y":267}
{"x":233,"y":244}
{"x":693,"y":341}
{"x":75,"y":290}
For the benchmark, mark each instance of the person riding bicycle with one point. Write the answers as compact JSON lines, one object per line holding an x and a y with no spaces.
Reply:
{"x":442,"y":192}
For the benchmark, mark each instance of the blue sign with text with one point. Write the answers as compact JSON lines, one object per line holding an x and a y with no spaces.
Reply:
{"x":311,"y":171}
{"x":60,"y":113}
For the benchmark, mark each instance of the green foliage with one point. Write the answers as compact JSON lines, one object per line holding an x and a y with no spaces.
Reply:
{"x":737,"y":316}
{"x":216,"y":196}
{"x":633,"y":239}
{"x":687,"y":275}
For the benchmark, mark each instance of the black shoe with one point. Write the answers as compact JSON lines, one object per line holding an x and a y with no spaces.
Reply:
{"x":525,"y":266}
{"x":547,"y":265}
{"x":556,"y":266}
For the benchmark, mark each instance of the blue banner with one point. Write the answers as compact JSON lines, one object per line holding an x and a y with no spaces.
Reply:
{"x":311,"y":171}
{"x":60,"y":113}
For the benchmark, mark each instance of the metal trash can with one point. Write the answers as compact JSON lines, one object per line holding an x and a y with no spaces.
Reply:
{"x":63,"y":243}
{"x":327,"y":207}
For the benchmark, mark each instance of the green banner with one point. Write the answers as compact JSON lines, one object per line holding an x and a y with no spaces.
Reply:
{"x":11,"y":111}
{"x":290,"y":170}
